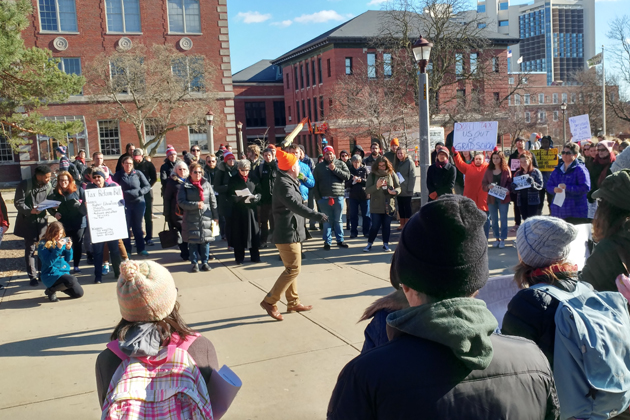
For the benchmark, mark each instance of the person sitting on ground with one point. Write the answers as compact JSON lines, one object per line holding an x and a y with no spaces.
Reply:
{"x":443,"y":360}
{"x":147,"y":298}
{"x":55,"y":254}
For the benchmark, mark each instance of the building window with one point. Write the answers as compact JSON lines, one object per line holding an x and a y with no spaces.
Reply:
{"x":503,"y":6}
{"x":190,"y":72}
{"x":504,"y":23}
{"x":555,"y":115}
{"x":371,"y":65}
{"x":307,"y":71}
{"x":328,"y":66}
{"x":495,"y":96}
{"x":473,"y":63}
{"x":387,"y":65}
{"x":541,"y":98}
{"x":526,"y":99}
{"x":315,"y":112}
{"x":495,"y":64}
{"x":517,"y":99}
{"x":152,"y":128}
{"x":47,"y":145}
{"x":287,"y":76}
{"x":279,"y":117}
{"x":459,"y":65}
{"x":542,"y":115}
{"x":481,"y":8}
{"x":555,"y":98}
{"x":310,"y":115}
{"x":348,"y":65}
{"x":58,"y":15}
{"x":564,"y":98}
{"x":123,"y":15}
{"x":290,"y":113}
{"x":303,"y":109}
{"x":297,"y":110}
{"x":319,"y":70}
{"x":197,"y":136}
{"x":70,"y":65}
{"x":528,"y":117}
{"x":461,"y":97}
{"x":525,"y":80}
{"x":481,"y":25}
{"x":321,"y":108}
{"x":573,"y":98}
{"x":184,"y":16}
{"x":6,"y":154}
{"x":301,"y":76}
{"x":295,"y":71}
{"x":109,"y":137}
{"x":255,"y":114}
{"x":313,"y":71}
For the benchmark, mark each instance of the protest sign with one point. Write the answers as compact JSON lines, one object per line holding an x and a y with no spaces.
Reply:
{"x":547,"y":159}
{"x":106,"y":214}
{"x":521,"y":182}
{"x":580,"y":128}
{"x":497,"y":293}
{"x":515,"y":165}
{"x":479,"y":136}
{"x":498,"y":192}
{"x":436,"y":134}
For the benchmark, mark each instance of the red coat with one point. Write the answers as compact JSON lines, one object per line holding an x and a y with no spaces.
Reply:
{"x":473,"y":188}
{"x":4,"y":216}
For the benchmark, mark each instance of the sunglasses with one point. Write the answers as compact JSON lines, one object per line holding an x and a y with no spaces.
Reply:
{"x":566,"y":153}
{"x":197,"y":172}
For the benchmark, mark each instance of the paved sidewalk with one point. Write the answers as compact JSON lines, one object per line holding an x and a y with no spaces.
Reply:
{"x":289,"y":368}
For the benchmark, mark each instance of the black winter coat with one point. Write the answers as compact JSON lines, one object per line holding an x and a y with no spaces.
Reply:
{"x":165,"y":172}
{"x":414,"y":378}
{"x":148,"y":170}
{"x":264,"y":176}
{"x":134,"y":185}
{"x":221,"y":178}
{"x":72,"y":209}
{"x":357,"y":191}
{"x":245,"y":230}
{"x":29,"y":194}
{"x":289,"y":212}
{"x":172,"y":212}
{"x":606,"y":262}
{"x":197,"y":223}
{"x":441,"y":180}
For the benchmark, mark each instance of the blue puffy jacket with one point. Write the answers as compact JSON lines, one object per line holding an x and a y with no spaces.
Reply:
{"x":55,"y":262}
{"x":307,"y":182}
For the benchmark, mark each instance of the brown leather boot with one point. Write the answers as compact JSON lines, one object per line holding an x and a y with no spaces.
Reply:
{"x":272,"y":310}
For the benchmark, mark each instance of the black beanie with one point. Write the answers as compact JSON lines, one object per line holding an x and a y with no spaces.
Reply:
{"x":443,"y":250}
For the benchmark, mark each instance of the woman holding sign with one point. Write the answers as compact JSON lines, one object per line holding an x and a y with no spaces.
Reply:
{"x":570,"y":182}
{"x":473,"y":189}
{"x":496,"y":181}
{"x":526,"y":184}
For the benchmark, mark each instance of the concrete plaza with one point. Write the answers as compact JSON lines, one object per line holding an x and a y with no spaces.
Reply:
{"x":288,"y":368}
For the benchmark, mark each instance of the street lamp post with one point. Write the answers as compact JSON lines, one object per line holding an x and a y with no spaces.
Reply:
{"x":421,"y":52}
{"x":563,"y":107}
{"x":240,"y":139}
{"x":210,"y":131}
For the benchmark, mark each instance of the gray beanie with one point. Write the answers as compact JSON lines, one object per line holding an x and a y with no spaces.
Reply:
{"x":622,"y":161}
{"x":542,"y":241}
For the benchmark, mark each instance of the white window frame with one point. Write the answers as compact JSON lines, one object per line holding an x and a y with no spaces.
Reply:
{"x":565,"y":98}
{"x":168,"y":20}
{"x":459,"y":65}
{"x":510,"y":81}
{"x":517,"y":99}
{"x":371,"y":68}
{"x":541,"y":98}
{"x":4,"y":148}
{"x":161,"y":148}
{"x":474,"y":63}
{"x":124,"y":31}
{"x":98,"y":128}
{"x":555,"y":98}
{"x":59,"y":30}
{"x":573,"y":97}
{"x":526,"y":99}
{"x":555,"y":115}
{"x":387,"y":65}
{"x":528,"y":117}
{"x":203,"y":146}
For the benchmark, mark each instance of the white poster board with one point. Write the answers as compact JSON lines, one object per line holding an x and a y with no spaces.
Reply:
{"x":106,"y":214}
{"x":436,"y":134}
{"x":521,"y":182}
{"x":580,"y":128}
{"x":480,"y":136}
{"x":497,"y":293}
{"x":499,"y":192}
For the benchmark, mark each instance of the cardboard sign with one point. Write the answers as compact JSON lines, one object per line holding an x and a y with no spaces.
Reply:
{"x":580,"y":128}
{"x":436,"y":134}
{"x":522,"y":182}
{"x":497,"y":293}
{"x":515,"y":165}
{"x":547,"y":159}
{"x":499,"y":192}
{"x":106,"y":214}
{"x":480,"y":136}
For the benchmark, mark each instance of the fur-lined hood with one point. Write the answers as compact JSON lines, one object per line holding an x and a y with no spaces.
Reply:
{"x":394,"y":301}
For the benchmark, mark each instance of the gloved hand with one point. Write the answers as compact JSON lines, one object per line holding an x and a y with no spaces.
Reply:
{"x":256,"y":199}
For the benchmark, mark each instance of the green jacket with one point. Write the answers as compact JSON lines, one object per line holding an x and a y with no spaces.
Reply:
{"x":381,"y":201}
{"x":606,"y":262}
{"x":407,"y":169}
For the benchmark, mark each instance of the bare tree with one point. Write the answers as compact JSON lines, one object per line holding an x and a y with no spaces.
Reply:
{"x":156,"y":89}
{"x":588,"y":100}
{"x":619,"y":31}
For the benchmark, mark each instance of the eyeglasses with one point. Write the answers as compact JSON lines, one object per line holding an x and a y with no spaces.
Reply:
{"x":566,"y":153}
{"x":344,"y":155}
{"x":196,"y":150}
{"x":197,"y":172}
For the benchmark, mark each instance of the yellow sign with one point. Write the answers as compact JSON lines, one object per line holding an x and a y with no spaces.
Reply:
{"x":547,"y":159}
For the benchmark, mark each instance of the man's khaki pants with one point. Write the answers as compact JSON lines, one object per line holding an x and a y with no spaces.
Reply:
{"x":291,"y":255}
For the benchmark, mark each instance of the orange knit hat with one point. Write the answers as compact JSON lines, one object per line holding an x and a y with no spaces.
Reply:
{"x":394,"y":142}
{"x":285,"y":160}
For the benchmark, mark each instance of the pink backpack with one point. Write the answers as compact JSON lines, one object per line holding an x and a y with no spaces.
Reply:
{"x":165,"y":386}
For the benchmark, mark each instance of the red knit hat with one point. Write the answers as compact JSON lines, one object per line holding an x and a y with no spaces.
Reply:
{"x":170,"y":150}
{"x":271,"y":146}
{"x":228,"y":156}
{"x":442,"y":149}
{"x":329,"y":149}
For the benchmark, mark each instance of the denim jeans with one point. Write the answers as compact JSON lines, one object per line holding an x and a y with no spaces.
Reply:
{"x":199,"y":252}
{"x":499,"y":213}
{"x":134,"y":212}
{"x":334,"y":213}
{"x":355,"y":205}
{"x":379,"y":220}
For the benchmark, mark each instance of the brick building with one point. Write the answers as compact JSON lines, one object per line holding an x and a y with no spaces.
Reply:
{"x":79,"y":30}
{"x":259,"y":102}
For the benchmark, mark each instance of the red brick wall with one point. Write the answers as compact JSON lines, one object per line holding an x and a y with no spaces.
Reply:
{"x":259,"y":92}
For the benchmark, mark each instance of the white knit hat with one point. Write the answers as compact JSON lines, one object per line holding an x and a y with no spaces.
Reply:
{"x":543,"y":240}
{"x":622,"y":161}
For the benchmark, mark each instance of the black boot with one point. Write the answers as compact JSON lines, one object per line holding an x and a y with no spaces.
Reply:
{"x":52,"y":296}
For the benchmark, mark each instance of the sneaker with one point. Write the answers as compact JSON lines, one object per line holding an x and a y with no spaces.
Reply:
{"x":502,"y":244}
{"x":367,"y":248}
{"x":97,"y":281}
{"x":497,"y":244}
{"x":326,"y":247}
{"x":76,"y":270}
{"x":149,"y":242}
{"x":195,"y":268}
{"x":143,"y":253}
{"x":52,"y":296}
{"x":386,"y":248}
{"x":105,"y":269}
{"x":211,"y":257}
{"x":205,"y":267}
{"x":342,"y":245}
{"x":34,"y":282}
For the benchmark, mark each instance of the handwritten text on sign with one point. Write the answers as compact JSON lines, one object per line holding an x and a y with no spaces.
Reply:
{"x":580,"y":128}
{"x":106,"y":214}
{"x":475,"y":136}
{"x":547,"y":159}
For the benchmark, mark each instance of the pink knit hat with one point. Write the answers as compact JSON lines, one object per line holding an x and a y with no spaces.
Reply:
{"x":170,"y":150}
{"x":146,"y":291}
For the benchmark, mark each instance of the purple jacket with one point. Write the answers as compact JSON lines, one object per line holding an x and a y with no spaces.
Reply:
{"x":578,"y":184}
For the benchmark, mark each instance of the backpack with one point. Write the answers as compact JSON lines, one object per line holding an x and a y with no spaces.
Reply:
{"x":591,"y":352}
{"x":165,"y":386}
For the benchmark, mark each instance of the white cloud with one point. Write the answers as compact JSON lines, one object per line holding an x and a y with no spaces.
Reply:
{"x":376,"y":2}
{"x":321,"y":17}
{"x":253,"y":17}
{"x":282,"y":24}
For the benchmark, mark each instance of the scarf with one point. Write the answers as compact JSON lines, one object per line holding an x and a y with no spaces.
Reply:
{"x":605,"y":162}
{"x":244,"y":177}
{"x":80,"y":159}
{"x":199,"y":187}
{"x":441,"y":165}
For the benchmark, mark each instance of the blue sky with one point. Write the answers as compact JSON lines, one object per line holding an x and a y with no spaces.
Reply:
{"x":267,"y":29}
